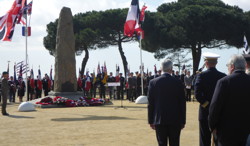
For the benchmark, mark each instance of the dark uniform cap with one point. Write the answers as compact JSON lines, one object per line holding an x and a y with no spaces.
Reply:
{"x":5,"y":72}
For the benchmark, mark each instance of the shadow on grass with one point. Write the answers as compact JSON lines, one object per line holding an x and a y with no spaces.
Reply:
{"x":122,"y":106}
{"x":91,"y":118}
{"x":20,"y":117}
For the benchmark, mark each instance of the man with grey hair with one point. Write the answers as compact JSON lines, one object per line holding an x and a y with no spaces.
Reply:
{"x":166,"y":106}
{"x":229,"y":112}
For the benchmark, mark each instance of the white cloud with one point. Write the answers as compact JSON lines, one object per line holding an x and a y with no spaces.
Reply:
{"x":244,"y":4}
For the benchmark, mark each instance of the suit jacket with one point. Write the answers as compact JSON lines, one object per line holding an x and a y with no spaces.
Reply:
{"x":204,"y":88}
{"x":230,"y":106}
{"x":166,"y":101}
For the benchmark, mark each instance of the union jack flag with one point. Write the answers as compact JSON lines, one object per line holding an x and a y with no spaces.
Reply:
{"x":8,"y":21}
{"x":27,"y":8}
{"x":22,"y":14}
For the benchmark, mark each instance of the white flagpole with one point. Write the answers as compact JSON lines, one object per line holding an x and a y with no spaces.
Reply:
{"x":26,"y":53}
{"x":142,"y":74}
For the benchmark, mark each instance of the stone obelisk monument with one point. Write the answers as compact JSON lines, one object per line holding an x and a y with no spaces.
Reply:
{"x":65,"y":82}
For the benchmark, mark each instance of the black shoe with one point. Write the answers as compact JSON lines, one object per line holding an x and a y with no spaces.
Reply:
{"x":5,"y":114}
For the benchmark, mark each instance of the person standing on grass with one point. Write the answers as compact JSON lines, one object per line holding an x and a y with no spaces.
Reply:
{"x":204,"y":88}
{"x":167,"y":106}
{"x":5,"y":92}
{"x":188,"y":84}
{"x":229,"y":112}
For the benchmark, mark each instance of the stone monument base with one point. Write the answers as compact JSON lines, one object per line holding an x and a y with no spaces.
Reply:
{"x":69,"y":95}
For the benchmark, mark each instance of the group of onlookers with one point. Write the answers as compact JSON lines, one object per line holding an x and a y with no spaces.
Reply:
{"x":224,"y":113}
{"x":18,"y":88}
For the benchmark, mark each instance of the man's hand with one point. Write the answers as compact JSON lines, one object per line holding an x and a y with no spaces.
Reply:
{"x":152,"y":126}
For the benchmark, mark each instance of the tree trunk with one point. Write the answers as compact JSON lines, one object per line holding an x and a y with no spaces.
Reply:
{"x":124,"y":60}
{"x":85,"y":60}
{"x":196,"y":53}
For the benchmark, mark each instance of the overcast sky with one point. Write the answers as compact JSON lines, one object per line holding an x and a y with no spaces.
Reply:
{"x":45,"y":11}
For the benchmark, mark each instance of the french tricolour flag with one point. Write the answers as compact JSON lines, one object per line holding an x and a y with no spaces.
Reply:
{"x":133,"y":18}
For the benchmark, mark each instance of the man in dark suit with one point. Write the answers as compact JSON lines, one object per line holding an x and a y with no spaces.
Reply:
{"x":229,"y":113}
{"x":166,"y":106}
{"x":5,"y":92}
{"x":120,"y":89}
{"x":131,"y":87}
{"x":204,"y":88}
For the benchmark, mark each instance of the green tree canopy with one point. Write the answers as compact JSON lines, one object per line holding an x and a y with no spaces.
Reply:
{"x":94,"y":30}
{"x":195,"y":24}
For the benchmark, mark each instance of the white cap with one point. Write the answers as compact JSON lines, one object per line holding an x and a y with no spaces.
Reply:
{"x":211,"y":57}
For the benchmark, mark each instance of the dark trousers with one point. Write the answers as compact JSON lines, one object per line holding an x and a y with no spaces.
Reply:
{"x":102,"y":92}
{"x":4,"y":104}
{"x":38,"y":93}
{"x":46,"y":92}
{"x":138,"y":91}
{"x":239,"y":139}
{"x":12,"y":96}
{"x":205,"y":134}
{"x":120,"y":92}
{"x":165,"y":133}
{"x":131,"y":94}
{"x":93,"y":92}
{"x":188,"y":94}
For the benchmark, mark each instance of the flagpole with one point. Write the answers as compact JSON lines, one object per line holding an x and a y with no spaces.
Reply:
{"x":142,"y":74}
{"x":26,"y":55}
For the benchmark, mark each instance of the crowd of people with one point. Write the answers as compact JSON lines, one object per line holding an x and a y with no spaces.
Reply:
{"x":224,"y":112}
{"x":130,"y":85}
{"x":35,"y":88}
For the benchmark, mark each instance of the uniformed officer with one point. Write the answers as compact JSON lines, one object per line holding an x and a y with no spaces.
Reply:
{"x":5,"y":92}
{"x":204,"y":88}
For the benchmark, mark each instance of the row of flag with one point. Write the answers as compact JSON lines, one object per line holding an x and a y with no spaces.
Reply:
{"x":16,"y":15}
{"x":21,"y":68}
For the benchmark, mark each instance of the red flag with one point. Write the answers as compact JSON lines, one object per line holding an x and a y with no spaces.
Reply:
{"x":8,"y":21}
{"x":142,"y":15}
{"x":88,"y":82}
{"x":32,"y":81}
{"x":132,"y":21}
{"x":139,"y":30}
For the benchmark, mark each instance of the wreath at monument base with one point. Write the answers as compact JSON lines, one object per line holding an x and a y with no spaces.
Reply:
{"x":65,"y":102}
